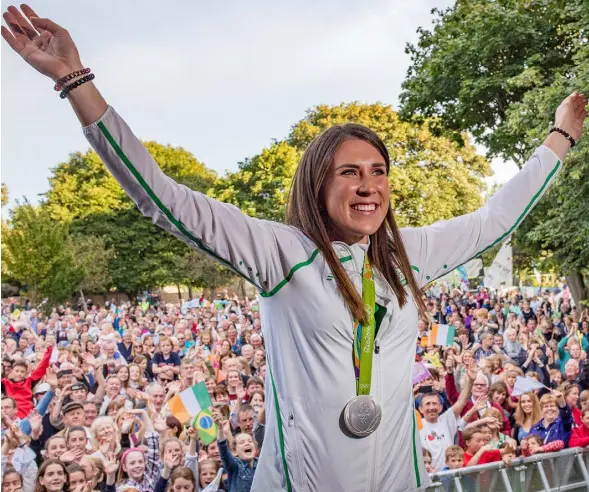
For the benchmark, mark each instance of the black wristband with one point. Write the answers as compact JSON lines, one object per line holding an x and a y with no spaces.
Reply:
{"x":565,"y":134}
{"x":67,"y":89}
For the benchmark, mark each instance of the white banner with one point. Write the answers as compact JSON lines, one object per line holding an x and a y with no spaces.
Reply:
{"x":501,"y":271}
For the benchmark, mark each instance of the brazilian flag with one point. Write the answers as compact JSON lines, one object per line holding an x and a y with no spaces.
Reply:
{"x":207,"y":429}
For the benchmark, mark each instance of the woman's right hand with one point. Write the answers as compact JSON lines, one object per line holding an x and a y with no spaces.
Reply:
{"x":42,"y":43}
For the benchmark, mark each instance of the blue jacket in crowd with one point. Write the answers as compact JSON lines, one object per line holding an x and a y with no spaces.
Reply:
{"x":559,"y":430}
{"x":240,"y":474}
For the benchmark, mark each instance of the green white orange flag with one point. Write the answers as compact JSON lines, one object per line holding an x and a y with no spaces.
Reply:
{"x":440,"y":335}
{"x":189,"y":403}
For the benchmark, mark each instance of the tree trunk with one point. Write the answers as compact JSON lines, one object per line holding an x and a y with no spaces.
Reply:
{"x":190,"y":292}
{"x":85,"y":306}
{"x":579,"y":288}
{"x":179,"y":292}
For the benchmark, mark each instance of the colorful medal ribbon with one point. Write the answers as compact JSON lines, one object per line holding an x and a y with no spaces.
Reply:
{"x":364,"y":335}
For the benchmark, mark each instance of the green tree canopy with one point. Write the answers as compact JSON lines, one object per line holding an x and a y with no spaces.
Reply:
{"x":432,"y":178}
{"x":43,"y":256}
{"x":83,"y":193}
{"x":499,"y":70}
{"x":480,"y":58}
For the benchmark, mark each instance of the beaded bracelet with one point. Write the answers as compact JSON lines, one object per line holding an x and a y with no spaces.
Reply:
{"x":61,"y":82}
{"x":68,"y":88}
{"x":565,"y":134}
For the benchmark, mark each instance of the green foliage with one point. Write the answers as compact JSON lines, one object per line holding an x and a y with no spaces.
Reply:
{"x":482,"y":57}
{"x":143,"y":256}
{"x":199,"y":270}
{"x":40,"y":253}
{"x":499,"y":70}
{"x":260,"y":186}
{"x":432,"y":178}
{"x":4,"y":195}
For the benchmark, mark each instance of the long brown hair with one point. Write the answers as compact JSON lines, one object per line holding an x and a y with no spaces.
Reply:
{"x":536,"y":415}
{"x":306,"y":211}
{"x":41,"y":474}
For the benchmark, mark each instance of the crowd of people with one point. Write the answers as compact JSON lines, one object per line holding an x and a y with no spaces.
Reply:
{"x":85,"y":392}
{"x":470,"y":412}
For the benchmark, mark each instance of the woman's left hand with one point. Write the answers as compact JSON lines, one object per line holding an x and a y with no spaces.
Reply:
{"x":571,"y":114}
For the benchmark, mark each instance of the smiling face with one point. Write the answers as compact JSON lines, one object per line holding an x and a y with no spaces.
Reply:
{"x":245,"y":449}
{"x":549,"y":412}
{"x":526,"y":404}
{"x":56,"y":447}
{"x":134,"y":465}
{"x":207,"y":472}
{"x":430,"y":407}
{"x":356,"y":192}
{"x":54,"y":478}
{"x":572,"y":397}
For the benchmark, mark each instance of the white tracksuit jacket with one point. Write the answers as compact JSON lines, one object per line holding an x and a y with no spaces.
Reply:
{"x":308,"y":330}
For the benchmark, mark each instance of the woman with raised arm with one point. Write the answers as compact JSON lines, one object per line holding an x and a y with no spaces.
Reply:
{"x":339,"y":282}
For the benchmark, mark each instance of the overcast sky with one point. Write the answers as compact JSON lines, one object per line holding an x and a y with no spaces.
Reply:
{"x":220,"y":78}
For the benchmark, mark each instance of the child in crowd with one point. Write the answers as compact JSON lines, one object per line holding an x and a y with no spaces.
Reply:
{"x":454,"y":458}
{"x":580,"y":435}
{"x":428,"y":461}
{"x":533,"y":444}
{"x":479,"y":453}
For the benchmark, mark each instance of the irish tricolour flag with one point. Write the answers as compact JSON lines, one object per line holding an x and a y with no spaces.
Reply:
{"x":189,"y":403}
{"x":441,"y":335}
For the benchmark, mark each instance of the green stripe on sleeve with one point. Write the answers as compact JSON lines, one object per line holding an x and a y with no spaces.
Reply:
{"x":290,"y":274}
{"x":524,"y":213}
{"x":187,"y":234}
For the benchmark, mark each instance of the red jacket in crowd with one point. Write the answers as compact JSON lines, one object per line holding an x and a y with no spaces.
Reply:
{"x":579,"y":437}
{"x":22,"y":392}
{"x":453,"y":394}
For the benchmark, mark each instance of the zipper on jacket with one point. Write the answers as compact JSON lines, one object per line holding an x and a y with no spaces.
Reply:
{"x":377,"y":394}
{"x":298,"y":480}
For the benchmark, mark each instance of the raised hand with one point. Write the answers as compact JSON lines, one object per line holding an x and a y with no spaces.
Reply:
{"x":51,"y":377}
{"x":70,"y":455}
{"x":480,"y":403}
{"x":571,"y":114}
{"x":472,"y":371}
{"x":42,"y":43}
{"x":240,"y":392}
{"x":111,"y":465}
{"x":171,"y":461}
{"x":36,"y":422}
{"x":159,"y":424}
{"x":192,"y":432}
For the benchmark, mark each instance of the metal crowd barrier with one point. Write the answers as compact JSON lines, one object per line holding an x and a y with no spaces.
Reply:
{"x":562,"y":470}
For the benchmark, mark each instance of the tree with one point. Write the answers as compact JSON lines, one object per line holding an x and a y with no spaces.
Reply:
{"x":499,"y":70}
{"x":91,"y":257}
{"x":83,"y":193}
{"x":4,"y":195}
{"x":432,"y":178}
{"x":260,"y":186}
{"x":479,"y":59}
{"x":199,"y":270}
{"x":37,"y":252}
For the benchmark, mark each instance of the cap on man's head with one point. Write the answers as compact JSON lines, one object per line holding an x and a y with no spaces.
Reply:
{"x":79,"y":386}
{"x":71,"y":407}
{"x":41,"y":388}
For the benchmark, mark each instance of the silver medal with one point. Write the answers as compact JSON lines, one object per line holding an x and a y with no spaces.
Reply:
{"x":362,"y":415}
